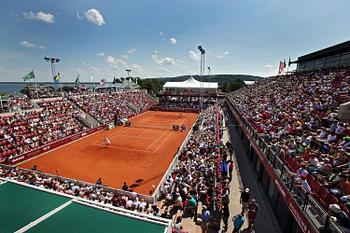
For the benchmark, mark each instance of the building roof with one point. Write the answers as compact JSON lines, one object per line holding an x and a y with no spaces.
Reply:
{"x":330,"y":51}
{"x":249,"y":82}
{"x":191,"y":83}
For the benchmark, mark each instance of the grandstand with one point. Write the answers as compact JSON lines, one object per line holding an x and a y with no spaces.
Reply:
{"x":293,"y":135}
{"x":331,"y":57}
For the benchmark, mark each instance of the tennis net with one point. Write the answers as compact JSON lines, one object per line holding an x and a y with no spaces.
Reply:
{"x":153,"y":126}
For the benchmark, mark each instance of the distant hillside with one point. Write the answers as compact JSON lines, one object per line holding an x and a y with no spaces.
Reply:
{"x":220,"y":78}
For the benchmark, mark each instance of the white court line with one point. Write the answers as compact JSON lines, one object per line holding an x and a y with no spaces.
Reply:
{"x":37,"y":156}
{"x":42,"y":218}
{"x":3,"y":182}
{"x":156,"y":140}
{"x":166,"y":139}
{"x":143,"y":133}
{"x":131,"y":136}
{"x":161,"y":137}
{"x":127,"y":148}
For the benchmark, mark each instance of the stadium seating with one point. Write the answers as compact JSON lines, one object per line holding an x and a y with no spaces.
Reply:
{"x":26,"y":131}
{"x":297,"y":114}
{"x":104,"y":106}
{"x":197,"y":168}
{"x":16,"y":104}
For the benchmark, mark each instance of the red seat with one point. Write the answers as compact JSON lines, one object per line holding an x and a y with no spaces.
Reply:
{"x":315,"y":186}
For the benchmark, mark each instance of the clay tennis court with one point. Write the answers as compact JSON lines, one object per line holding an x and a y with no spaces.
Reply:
{"x":139,"y":154}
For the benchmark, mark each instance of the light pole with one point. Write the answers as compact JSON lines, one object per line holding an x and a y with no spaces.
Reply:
{"x":202,"y":65}
{"x":52,"y":61}
{"x":129,"y":70}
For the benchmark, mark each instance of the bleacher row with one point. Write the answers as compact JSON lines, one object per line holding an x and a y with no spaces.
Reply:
{"x":297,"y":117}
{"x":21,"y":132}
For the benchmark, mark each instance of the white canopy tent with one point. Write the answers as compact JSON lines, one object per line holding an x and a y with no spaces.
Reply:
{"x":191,"y":83}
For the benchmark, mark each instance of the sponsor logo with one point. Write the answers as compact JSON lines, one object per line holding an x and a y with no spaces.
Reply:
{"x":280,"y":188}
{"x":75,"y":137}
{"x":303,"y":225}
{"x":14,"y":160}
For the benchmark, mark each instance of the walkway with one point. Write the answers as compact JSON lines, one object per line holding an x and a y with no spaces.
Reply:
{"x":265,"y":220}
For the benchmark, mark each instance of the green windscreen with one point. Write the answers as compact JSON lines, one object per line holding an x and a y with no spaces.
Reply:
{"x":21,"y":205}
{"x":80,"y":218}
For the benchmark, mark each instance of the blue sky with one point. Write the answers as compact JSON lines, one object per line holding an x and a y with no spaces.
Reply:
{"x":160,"y":37}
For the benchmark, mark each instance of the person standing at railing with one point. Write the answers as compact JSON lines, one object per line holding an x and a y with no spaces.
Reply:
{"x":245,"y":198}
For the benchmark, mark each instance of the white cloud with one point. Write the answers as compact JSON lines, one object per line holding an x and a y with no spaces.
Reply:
{"x":131,"y":51}
{"x":173,"y":40}
{"x":100,"y":54}
{"x":162,"y":69}
{"x":220,"y":56}
{"x":31,"y":45}
{"x":196,"y":56}
{"x":168,"y":61}
{"x":116,"y":63}
{"x":161,"y":33}
{"x":124,"y":56}
{"x":268,"y":66}
{"x":45,"y":17}
{"x":78,"y":15}
{"x":156,"y":51}
{"x":94,"y":16}
{"x":27,"y":44}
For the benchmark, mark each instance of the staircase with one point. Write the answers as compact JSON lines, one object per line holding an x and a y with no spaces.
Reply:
{"x":88,"y":120}
{"x":133,"y":108}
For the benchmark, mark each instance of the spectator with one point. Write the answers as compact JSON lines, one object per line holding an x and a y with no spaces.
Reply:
{"x":205,"y":219}
{"x":238,"y":221}
{"x":252,"y":212}
{"x":245,"y":198}
{"x":125,"y":187}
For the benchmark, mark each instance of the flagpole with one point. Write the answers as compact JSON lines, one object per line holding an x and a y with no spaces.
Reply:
{"x":2,"y":107}
{"x":36,"y":89}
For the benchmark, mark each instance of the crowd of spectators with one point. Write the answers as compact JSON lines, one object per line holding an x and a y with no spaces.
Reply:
{"x":104,"y":106}
{"x":41,"y":91}
{"x":13,"y":104}
{"x":195,"y":177}
{"x":296,"y":115}
{"x":184,"y":102}
{"x":26,"y":131}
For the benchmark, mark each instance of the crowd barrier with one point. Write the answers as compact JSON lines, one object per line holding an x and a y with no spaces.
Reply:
{"x":301,"y":205}
{"x":51,"y":146}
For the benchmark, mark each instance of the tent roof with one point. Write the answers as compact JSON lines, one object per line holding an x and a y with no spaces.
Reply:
{"x":191,"y":83}
{"x":249,"y":82}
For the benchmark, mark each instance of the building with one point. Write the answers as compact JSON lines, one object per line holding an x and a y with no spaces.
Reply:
{"x":189,"y":95}
{"x":334,"y":56}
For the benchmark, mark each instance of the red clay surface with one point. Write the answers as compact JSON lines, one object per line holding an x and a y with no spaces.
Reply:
{"x":136,"y":153}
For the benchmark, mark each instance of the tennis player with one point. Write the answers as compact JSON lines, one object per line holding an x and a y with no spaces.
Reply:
{"x":107,"y":142}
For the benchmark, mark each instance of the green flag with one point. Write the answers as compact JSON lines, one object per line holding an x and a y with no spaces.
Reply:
{"x":29,"y":76}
